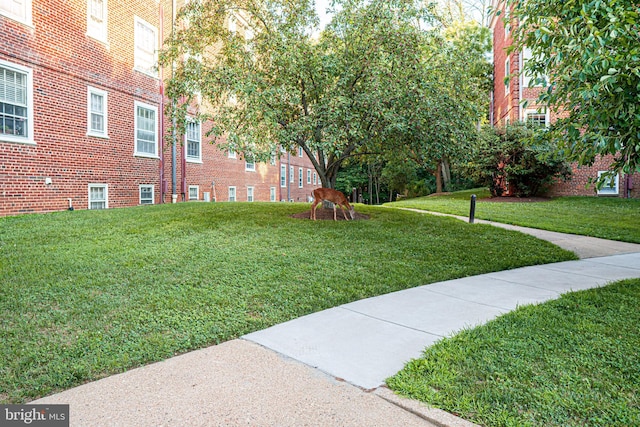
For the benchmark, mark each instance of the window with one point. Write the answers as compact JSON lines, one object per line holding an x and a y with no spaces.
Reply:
{"x":273,"y":159}
{"x":97,"y":19}
{"x":193,"y":142}
{"x":194,"y":192}
{"x":528,"y":79}
{"x":272,"y":194}
{"x":16,"y":103}
{"x":536,"y":118}
{"x":291,"y":177}
{"x":146,"y":130}
{"x":507,"y":76}
{"x":610,"y":186}
{"x":308,"y":176}
{"x":249,"y":194}
{"x":250,"y":164}
{"x":19,"y":10}
{"x":232,"y":194}
{"x":96,"y":112}
{"x":283,"y":176}
{"x":299,"y":177}
{"x":315,"y":178}
{"x":300,"y":152}
{"x":146,"y":195}
{"x":98,"y":196}
{"x":232,"y":154}
{"x":146,"y":40}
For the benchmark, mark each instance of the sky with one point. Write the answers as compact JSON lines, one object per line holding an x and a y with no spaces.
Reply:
{"x":321,"y":7}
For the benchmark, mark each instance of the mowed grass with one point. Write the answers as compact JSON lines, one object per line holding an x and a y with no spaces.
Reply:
{"x":87,"y":294}
{"x":607,"y":218}
{"x":568,"y":362}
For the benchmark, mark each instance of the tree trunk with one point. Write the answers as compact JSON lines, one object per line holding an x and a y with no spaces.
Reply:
{"x":446,"y":173}
{"x":439,"y":178}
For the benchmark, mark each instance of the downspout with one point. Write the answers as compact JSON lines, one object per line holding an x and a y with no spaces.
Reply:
{"x":174,"y":194}
{"x":162,"y":189}
{"x":289,"y":178}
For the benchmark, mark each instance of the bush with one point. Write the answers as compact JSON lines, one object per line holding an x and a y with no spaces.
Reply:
{"x":506,"y":160}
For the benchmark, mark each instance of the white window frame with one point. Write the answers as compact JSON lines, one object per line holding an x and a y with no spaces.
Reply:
{"x":300,"y":178}
{"x":143,"y":60}
{"x":507,"y":76}
{"x":232,"y":194}
{"x":232,"y":154}
{"x":194,"y":190}
{"x":533,"y":112}
{"x":137,"y":105}
{"x":95,"y":30}
{"x":187,"y":141}
{"x":528,"y":80}
{"x":272,"y":194}
{"x":606,"y":189}
{"x":90,"y":131}
{"x":25,"y":16}
{"x":248,"y":165}
{"x":315,"y":178}
{"x":153,"y":194}
{"x":300,"y":152}
{"x":250,"y":194}
{"x":106,"y":195}
{"x":291,"y":175}
{"x":283,"y":176}
{"x":308,"y":176}
{"x":29,"y":138}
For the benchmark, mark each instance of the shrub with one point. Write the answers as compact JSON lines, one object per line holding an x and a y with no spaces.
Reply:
{"x":506,"y":159}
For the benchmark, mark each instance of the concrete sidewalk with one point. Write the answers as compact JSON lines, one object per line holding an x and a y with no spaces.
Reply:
{"x":328,"y":368}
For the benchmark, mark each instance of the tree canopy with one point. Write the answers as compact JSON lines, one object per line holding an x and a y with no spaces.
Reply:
{"x":591,"y":53}
{"x":375,"y":79}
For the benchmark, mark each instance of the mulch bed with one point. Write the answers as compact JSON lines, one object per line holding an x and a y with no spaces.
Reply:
{"x":327,"y":215}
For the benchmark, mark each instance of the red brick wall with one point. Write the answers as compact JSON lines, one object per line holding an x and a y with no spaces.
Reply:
{"x":64,"y":62}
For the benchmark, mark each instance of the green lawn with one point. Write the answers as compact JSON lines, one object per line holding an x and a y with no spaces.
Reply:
{"x":86,"y":294}
{"x":608,"y":218}
{"x":568,"y":362}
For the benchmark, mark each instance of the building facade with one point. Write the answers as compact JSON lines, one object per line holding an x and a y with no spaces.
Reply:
{"x":514,"y":99}
{"x":82,"y":120}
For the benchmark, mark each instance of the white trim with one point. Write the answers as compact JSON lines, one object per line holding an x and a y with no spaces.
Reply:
{"x":308,"y":176}
{"x":153,"y":193}
{"x":300,"y":178}
{"x":27,"y":12}
{"x":137,"y":105}
{"x":235,"y":193}
{"x":106,"y":195}
{"x":28,"y":72}
{"x":197,"y":190}
{"x":102,"y":36}
{"x":607,"y":190}
{"x":188,"y":158}
{"x":250,"y":193}
{"x":283,"y":176}
{"x":104,"y":95}
{"x":536,"y":111}
{"x":272,"y":194}
{"x":144,"y":67}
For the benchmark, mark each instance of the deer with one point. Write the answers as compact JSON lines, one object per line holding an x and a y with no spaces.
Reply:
{"x":333,"y":196}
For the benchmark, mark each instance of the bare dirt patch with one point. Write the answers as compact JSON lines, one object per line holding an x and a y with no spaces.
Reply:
{"x":327,"y":215}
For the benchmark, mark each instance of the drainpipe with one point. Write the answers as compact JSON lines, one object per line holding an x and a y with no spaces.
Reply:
{"x":174,"y":194}
{"x":289,"y":178}
{"x":162,"y":189}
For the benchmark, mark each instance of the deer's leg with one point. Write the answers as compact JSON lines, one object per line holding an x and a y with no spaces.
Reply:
{"x":334,"y":212}
{"x":313,"y":210}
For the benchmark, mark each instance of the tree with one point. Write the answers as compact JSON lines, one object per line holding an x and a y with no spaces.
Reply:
{"x":333,"y":95}
{"x":506,"y":158}
{"x":591,"y":53}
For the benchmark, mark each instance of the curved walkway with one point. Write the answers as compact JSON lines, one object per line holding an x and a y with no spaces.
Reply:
{"x":329,"y":368}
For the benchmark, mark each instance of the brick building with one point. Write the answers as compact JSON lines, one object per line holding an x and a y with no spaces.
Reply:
{"x":512,"y":88}
{"x":82,"y":118}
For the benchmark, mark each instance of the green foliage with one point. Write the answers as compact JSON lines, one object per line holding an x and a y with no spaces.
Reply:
{"x":568,"y":362}
{"x":86,"y":294}
{"x":505,"y":157}
{"x":604,"y":217}
{"x":591,"y":53}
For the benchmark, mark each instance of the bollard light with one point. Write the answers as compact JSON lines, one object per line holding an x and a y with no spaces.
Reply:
{"x":472,"y":209}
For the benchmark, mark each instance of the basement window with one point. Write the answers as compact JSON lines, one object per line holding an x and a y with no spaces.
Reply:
{"x":610,"y":186}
